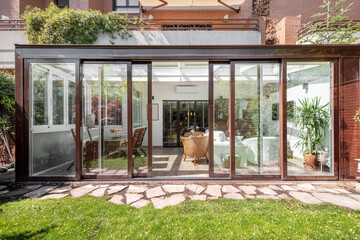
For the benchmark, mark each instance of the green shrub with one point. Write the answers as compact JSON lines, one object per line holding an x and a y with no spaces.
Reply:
{"x":7,"y":101}
{"x":68,"y":26}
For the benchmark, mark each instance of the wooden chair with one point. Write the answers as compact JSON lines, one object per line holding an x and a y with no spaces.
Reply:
{"x":196,"y":133}
{"x":195,"y":147}
{"x":137,"y":140}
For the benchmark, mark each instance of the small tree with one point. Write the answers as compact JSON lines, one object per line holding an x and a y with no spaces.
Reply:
{"x":333,"y":27}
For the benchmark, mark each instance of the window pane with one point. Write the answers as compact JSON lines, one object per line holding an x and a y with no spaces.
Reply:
{"x":52,"y":143}
{"x":71,"y":101}
{"x":221,"y":119}
{"x":133,"y":3}
{"x":105,"y":119}
{"x":121,"y":3}
{"x":309,"y":118}
{"x":256,"y":118}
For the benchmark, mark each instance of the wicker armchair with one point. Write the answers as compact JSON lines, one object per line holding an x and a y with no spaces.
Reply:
{"x":196,"y":147}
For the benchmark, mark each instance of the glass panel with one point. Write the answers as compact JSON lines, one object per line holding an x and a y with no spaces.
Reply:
{"x":71,"y":101}
{"x":256,"y":118}
{"x":52,"y":143}
{"x":221,"y":119}
{"x":121,"y":3}
{"x":133,"y":3}
{"x":105,"y":119}
{"x":170,"y":136}
{"x":309,"y":118}
{"x":140,"y":123}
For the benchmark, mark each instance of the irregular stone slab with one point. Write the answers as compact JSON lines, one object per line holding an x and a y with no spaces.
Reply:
{"x":341,"y":190}
{"x":155,"y":192}
{"x":33,"y":187}
{"x":100,"y":192}
{"x":213,"y":190}
{"x":276,"y":188}
{"x":195,"y":188}
{"x":201,"y":197}
{"x":339,"y":200}
{"x":355,"y":196}
{"x":2,"y":187}
{"x":141,"y":203}
{"x":267,"y":191}
{"x":3,"y":192}
{"x":170,"y":201}
{"x":115,"y":189}
{"x":14,"y":193}
{"x":39,"y":192}
{"x":233,"y":196}
{"x":81,"y":191}
{"x":249,"y":196}
{"x":328,"y":190}
{"x":230,"y":189}
{"x":212,"y":198}
{"x":287,"y":188}
{"x":305,"y":197}
{"x":137,"y":188}
{"x":61,"y":189}
{"x":248,"y":190}
{"x":307,"y":187}
{"x":132,"y":197}
{"x":117,"y":199}
{"x":267,"y":197}
{"x":174,"y":188}
{"x":284,"y":196}
{"x":55,"y":196}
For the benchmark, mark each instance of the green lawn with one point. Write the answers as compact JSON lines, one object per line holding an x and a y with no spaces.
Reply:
{"x":95,"y":218}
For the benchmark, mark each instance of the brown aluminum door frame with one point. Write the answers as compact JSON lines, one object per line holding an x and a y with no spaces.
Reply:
{"x":211,"y":118}
{"x":149,"y":119}
{"x":129,"y":121}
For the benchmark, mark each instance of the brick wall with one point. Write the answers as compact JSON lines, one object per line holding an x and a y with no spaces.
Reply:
{"x":286,"y":30}
{"x":9,"y":8}
{"x":350,"y":134}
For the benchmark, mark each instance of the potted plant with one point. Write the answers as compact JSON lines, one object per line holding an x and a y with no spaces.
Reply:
{"x":312,"y":118}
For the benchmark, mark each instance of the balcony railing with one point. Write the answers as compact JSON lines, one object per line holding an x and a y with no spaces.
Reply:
{"x":12,"y":25}
{"x":303,"y":31}
{"x":167,"y":25}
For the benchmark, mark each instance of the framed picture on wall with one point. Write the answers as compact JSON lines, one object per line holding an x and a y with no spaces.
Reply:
{"x":155,"y":112}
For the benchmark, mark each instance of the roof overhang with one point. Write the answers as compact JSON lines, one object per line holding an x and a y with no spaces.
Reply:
{"x":149,"y":5}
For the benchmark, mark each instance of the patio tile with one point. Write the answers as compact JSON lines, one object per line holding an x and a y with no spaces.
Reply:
{"x":14,"y":193}
{"x":233,"y":196}
{"x":213,"y":190}
{"x":355,"y":196}
{"x":4,"y":191}
{"x":174,"y":188}
{"x":133,"y":197}
{"x":117,"y":199}
{"x":267,"y":191}
{"x":195,"y":188}
{"x":230,"y":189}
{"x":137,"y":188}
{"x":288,"y":188}
{"x":276,"y":188}
{"x":341,"y":190}
{"x":2,"y":187}
{"x":55,"y":196}
{"x":141,"y":203}
{"x":115,"y":189}
{"x":61,"y":189}
{"x":169,"y":201}
{"x":81,"y":191}
{"x":249,"y":196}
{"x":100,"y":192}
{"x":306,"y":187}
{"x":339,"y":200}
{"x":201,"y":197}
{"x":213,"y":198}
{"x":39,"y":192}
{"x":267,"y":197}
{"x":248,"y":190}
{"x":33,"y":187}
{"x":154,"y":192}
{"x":305,"y":197}
{"x":284,"y":196}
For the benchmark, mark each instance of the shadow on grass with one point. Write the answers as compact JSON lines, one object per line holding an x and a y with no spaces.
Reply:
{"x":27,"y":234}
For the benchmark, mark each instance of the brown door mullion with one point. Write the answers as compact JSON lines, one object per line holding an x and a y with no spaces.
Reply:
{"x":211,"y":119}
{"x":78,"y":121}
{"x":129,"y":120}
{"x":232,"y":119}
{"x":149,"y":116}
{"x":283,"y":121}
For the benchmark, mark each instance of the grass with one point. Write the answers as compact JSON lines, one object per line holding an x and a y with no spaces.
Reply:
{"x":95,"y":218}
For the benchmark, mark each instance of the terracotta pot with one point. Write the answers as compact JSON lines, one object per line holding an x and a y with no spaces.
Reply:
{"x":310,"y":159}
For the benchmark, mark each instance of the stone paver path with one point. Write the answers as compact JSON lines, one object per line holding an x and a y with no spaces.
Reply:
{"x":343,"y":194}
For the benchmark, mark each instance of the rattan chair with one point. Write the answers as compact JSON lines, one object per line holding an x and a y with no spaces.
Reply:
{"x":196,"y":147}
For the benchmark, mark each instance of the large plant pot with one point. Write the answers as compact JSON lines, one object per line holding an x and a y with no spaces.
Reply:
{"x":309,"y":160}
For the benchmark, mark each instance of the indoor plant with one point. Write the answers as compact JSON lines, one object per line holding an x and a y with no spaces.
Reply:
{"x":312,"y":118}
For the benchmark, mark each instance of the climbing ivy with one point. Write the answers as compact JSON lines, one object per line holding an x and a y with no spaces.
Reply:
{"x":56,"y":25}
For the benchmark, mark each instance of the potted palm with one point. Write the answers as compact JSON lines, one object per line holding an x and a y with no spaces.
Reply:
{"x":312,"y":118}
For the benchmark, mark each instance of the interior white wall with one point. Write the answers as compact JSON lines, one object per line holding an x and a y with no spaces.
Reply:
{"x":167,"y":91}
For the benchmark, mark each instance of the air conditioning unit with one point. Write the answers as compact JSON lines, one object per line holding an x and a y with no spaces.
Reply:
{"x":183,"y":89}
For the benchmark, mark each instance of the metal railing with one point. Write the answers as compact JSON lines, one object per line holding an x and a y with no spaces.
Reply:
{"x":167,"y":25}
{"x":303,"y":31}
{"x":12,"y":25}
